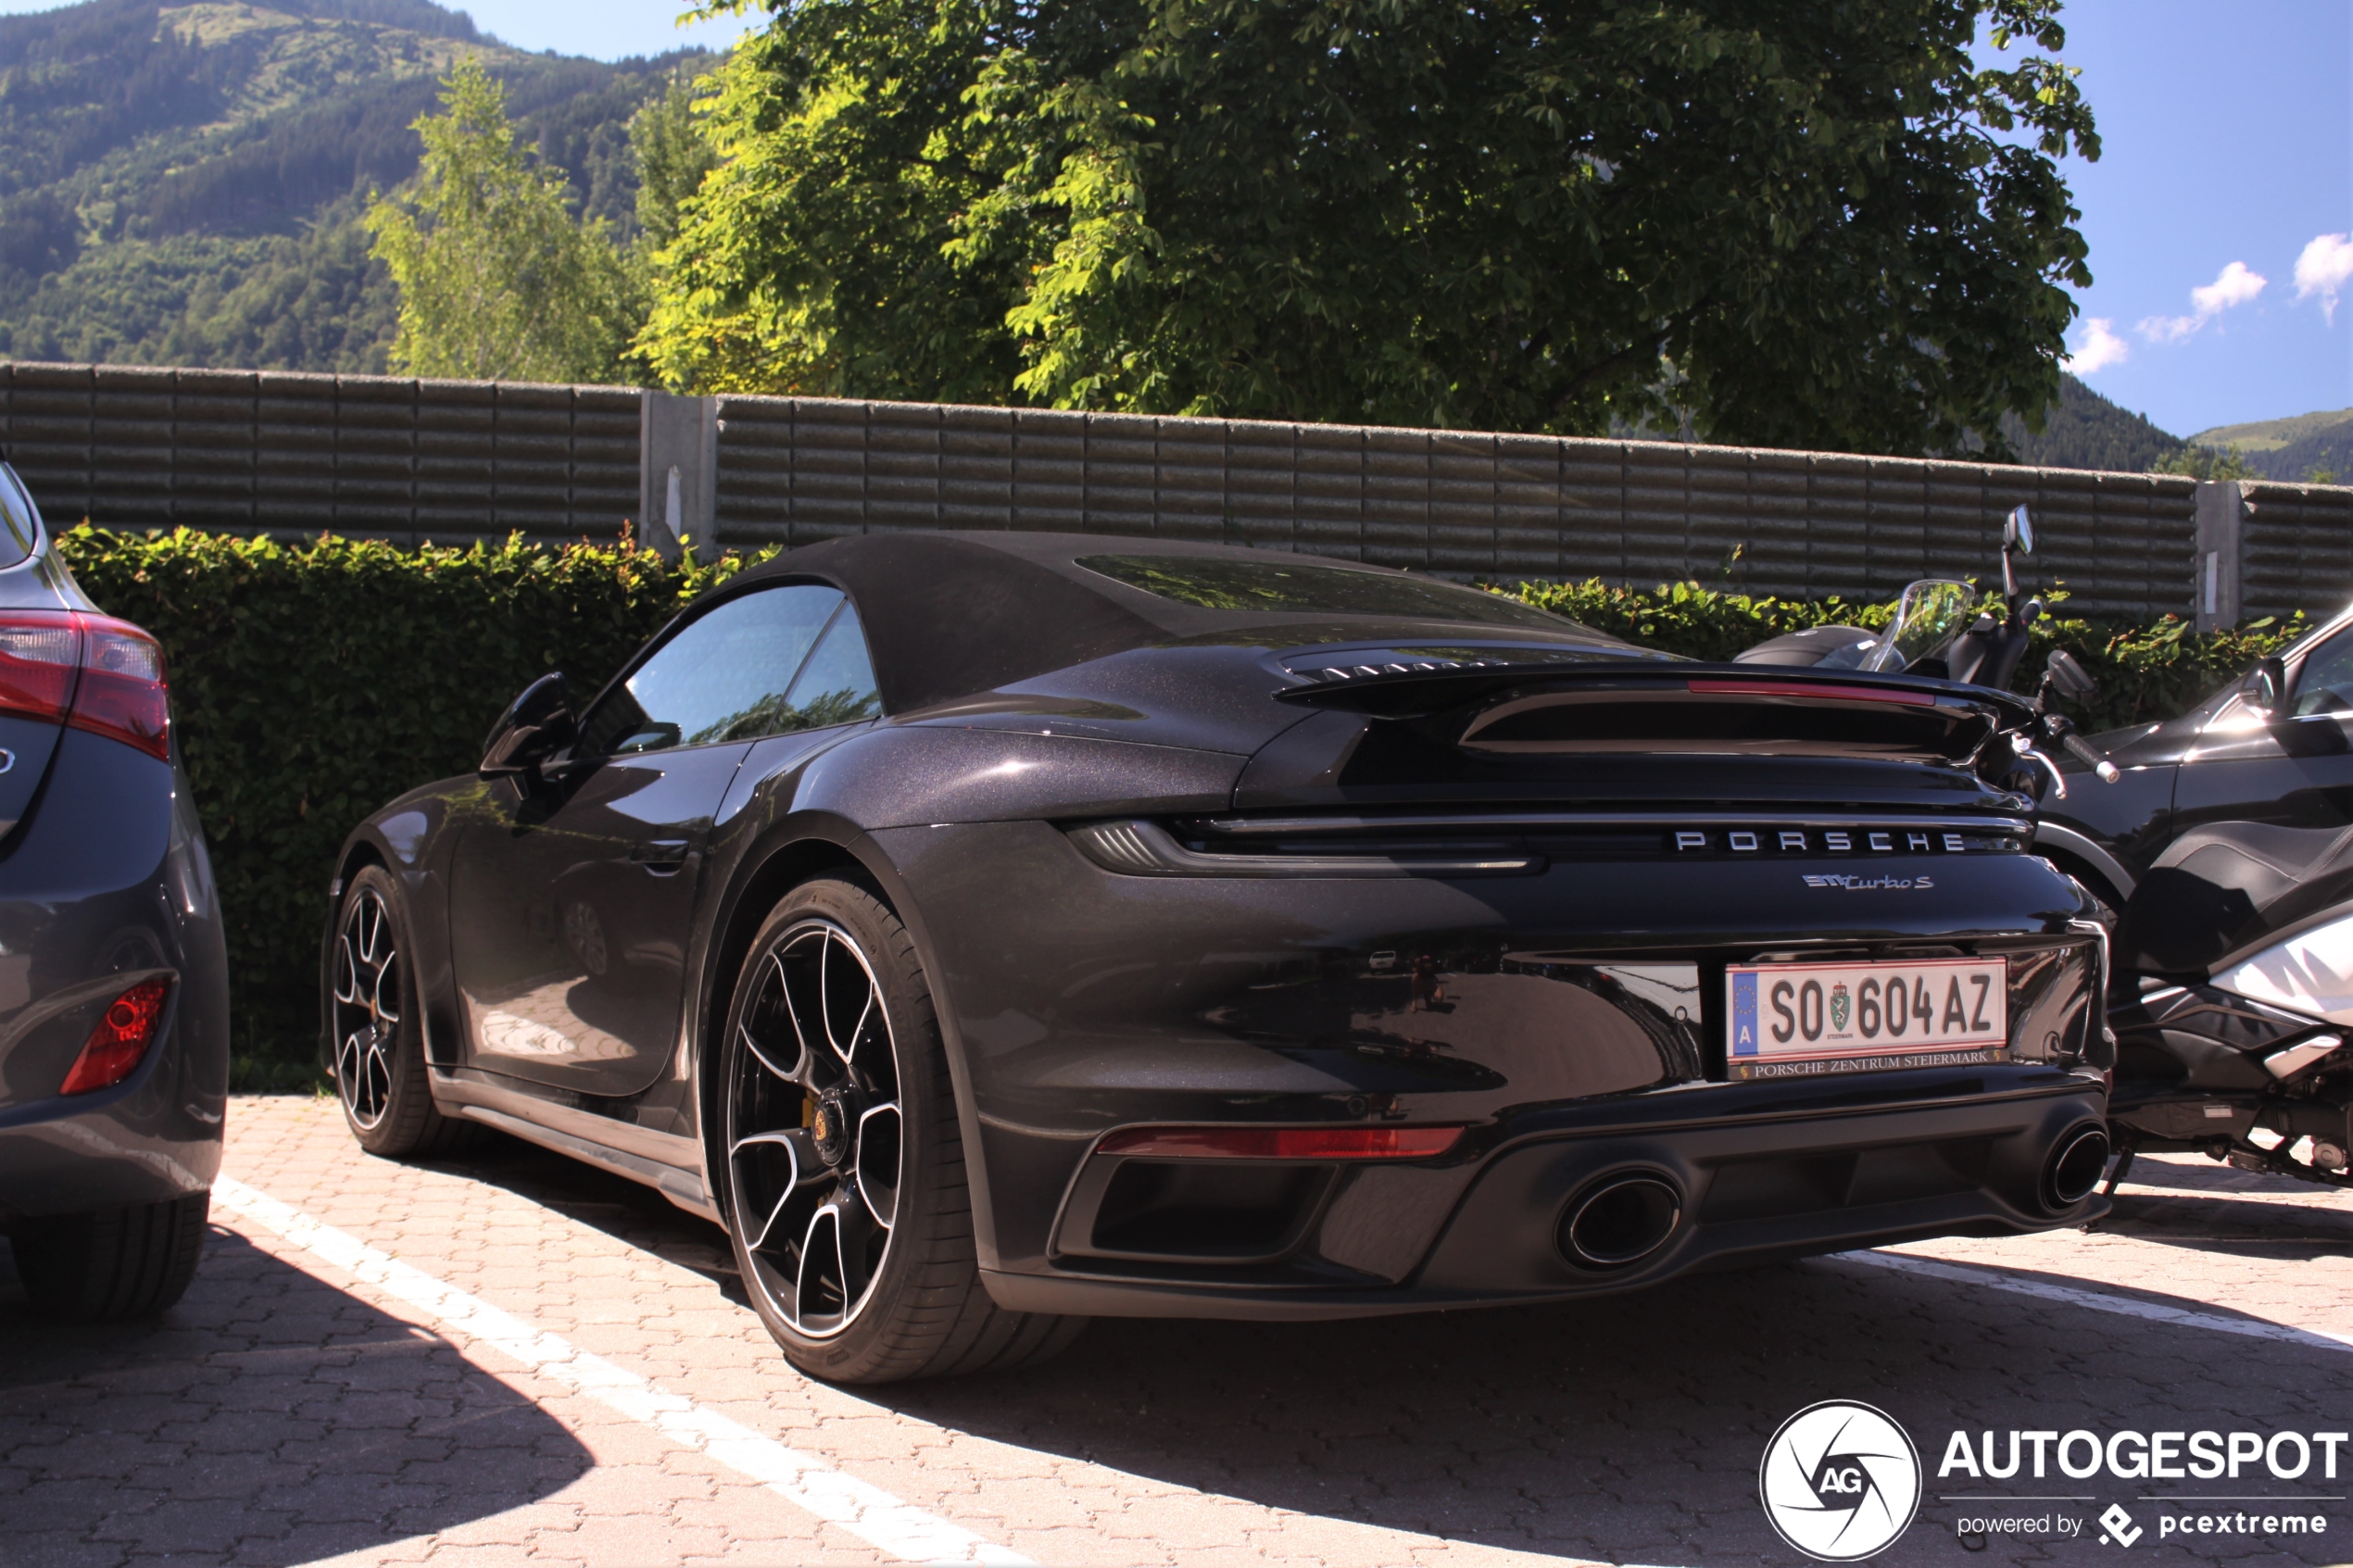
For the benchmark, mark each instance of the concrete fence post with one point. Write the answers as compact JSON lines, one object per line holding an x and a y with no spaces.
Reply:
{"x":678,"y":471}
{"x":2215,"y":601}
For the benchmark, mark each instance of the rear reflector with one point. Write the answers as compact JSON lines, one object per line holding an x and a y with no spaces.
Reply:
{"x":1284,"y":1143}
{"x":91,"y":671}
{"x":119,"y":1042}
{"x":1808,"y":690}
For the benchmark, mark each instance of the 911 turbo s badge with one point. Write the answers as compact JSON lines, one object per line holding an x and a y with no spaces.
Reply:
{"x":1868,"y":884}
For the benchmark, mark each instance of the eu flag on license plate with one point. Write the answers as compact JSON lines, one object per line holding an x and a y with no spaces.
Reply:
{"x":1743,"y":1015}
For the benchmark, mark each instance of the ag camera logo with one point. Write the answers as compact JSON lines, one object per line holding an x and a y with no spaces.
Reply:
{"x":1840,"y":1481}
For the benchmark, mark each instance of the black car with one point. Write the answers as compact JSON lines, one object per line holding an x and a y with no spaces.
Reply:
{"x":991,"y":930}
{"x":2274,"y":749}
{"x":113,"y":999}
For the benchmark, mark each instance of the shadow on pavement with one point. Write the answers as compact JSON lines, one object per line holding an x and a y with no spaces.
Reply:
{"x":268,"y":1418}
{"x":1627,"y":1428}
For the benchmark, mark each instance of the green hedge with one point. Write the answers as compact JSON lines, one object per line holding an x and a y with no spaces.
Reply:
{"x":312,"y":683}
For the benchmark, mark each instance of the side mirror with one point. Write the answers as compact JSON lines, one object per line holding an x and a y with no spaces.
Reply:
{"x":2068,"y":678}
{"x":2266,"y":688}
{"x":534,"y":725}
{"x":2018,"y":534}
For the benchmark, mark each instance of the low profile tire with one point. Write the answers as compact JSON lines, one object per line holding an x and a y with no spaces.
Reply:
{"x":845,"y":1189}
{"x":378,"y":1040}
{"x":113,"y":1265}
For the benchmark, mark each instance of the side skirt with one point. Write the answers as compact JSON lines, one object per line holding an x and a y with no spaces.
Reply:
{"x":528,"y":1118}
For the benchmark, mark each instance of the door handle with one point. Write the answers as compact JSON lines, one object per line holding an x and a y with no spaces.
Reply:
{"x":659,"y":855}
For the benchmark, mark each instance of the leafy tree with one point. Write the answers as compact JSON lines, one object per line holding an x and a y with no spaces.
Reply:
{"x":496,"y":279}
{"x":671,"y":157}
{"x":2204,"y":462}
{"x":1789,"y":225}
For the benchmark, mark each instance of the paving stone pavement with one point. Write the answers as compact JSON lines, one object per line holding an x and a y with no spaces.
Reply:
{"x":287,"y":1411}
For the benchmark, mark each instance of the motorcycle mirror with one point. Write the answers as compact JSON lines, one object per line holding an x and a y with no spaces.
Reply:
{"x":2267,"y":688}
{"x":2018,"y":534}
{"x":2070,"y":677}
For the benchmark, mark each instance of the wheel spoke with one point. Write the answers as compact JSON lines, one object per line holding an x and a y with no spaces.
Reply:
{"x":792,"y":1016}
{"x":759,"y":1055}
{"x":879,"y":1139}
{"x":349,"y":1057}
{"x":862,"y":1243}
{"x":818,"y":1289}
{"x":389,"y":975}
{"x":346,"y":972}
{"x":826,"y":997}
{"x":378,"y":1075}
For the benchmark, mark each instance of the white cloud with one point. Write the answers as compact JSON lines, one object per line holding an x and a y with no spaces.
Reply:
{"x":2101,"y":348}
{"x":2324,"y":269}
{"x":2233,"y":285}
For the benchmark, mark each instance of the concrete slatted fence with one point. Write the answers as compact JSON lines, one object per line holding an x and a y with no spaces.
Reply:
{"x":412,"y":460}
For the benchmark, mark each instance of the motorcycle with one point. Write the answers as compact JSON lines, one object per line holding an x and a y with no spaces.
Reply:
{"x":1940,"y":629}
{"x":2232,"y":997}
{"x":2231,"y":993}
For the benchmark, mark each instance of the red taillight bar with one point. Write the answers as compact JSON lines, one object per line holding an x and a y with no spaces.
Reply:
{"x":119,"y":1042}
{"x":1801,"y":689}
{"x":91,"y":671}
{"x":1283,"y":1143}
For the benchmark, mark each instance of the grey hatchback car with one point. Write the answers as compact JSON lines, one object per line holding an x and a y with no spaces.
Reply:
{"x":114,"y":1001}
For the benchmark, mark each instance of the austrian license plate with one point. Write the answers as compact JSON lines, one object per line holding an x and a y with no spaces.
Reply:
{"x":1790,"y":1019}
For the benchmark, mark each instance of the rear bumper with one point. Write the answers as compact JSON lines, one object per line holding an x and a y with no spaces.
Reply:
{"x":153,"y":1137}
{"x":105,"y":882}
{"x":1485,"y":1231}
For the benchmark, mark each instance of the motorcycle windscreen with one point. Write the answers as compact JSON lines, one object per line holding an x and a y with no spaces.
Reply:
{"x":2311,"y":973}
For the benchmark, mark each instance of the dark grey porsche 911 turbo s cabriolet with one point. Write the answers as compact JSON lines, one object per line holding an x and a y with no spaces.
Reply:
{"x":992,"y":930}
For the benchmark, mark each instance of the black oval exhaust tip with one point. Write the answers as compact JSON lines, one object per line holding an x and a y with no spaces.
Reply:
{"x":1622,"y":1221}
{"x":2075,"y":1168}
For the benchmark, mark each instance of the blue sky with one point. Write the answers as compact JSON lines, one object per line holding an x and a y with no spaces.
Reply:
{"x":2228,"y":152}
{"x":609,"y":30}
{"x":2228,"y":132}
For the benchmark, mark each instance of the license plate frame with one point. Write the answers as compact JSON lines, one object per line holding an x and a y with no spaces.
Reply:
{"x":1767,"y":1033}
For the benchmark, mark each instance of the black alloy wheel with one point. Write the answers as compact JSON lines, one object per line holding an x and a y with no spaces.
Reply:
{"x":816,"y":1138}
{"x":379,"y":1057}
{"x":846,"y":1192}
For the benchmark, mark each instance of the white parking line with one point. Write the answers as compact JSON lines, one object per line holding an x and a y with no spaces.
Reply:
{"x":866,"y":1511}
{"x":2098,"y":1301}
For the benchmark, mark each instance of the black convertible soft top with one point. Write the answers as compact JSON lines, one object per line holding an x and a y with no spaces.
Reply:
{"x":949,"y":614}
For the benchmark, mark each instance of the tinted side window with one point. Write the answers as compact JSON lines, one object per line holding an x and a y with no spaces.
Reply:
{"x":838,"y":684}
{"x":731,"y":675}
{"x":2325,"y":683}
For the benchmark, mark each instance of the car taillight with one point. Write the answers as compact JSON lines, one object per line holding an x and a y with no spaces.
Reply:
{"x":39,"y":659}
{"x":1283,"y":1143}
{"x":91,"y":671}
{"x":119,"y":1042}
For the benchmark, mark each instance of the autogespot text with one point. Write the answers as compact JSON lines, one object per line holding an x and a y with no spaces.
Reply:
{"x":2137,"y":1456}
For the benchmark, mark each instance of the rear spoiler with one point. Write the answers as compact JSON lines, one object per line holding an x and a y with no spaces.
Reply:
{"x":1687,"y":707}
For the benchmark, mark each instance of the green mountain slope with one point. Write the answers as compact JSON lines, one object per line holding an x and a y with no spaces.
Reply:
{"x":2271,"y":435}
{"x":182,"y":184}
{"x":2085,"y":429}
{"x":2293,"y":449}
